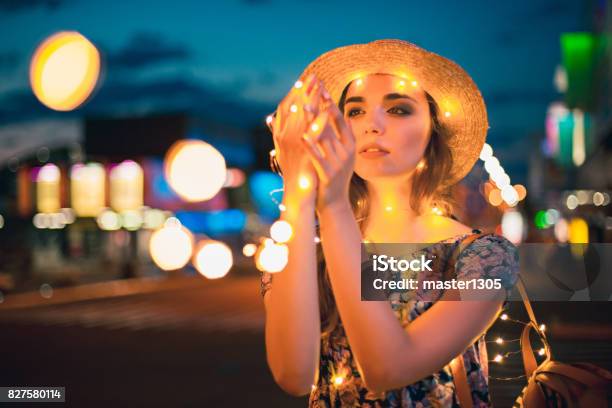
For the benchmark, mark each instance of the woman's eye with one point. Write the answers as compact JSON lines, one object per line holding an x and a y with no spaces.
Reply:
{"x":399,"y":110}
{"x":353,"y":112}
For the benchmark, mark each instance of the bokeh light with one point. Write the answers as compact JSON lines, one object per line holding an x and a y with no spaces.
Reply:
{"x":48,"y":189}
{"x":521,"y":191}
{"x":195,"y":170}
{"x":87,"y":189}
{"x":213,"y":259}
{"x":249,"y":250}
{"x":108,"y":220}
{"x":272,"y":257}
{"x":281,"y":231}
{"x":578,"y":231}
{"x":486,"y":152}
{"x":562,"y":230}
{"x":171,"y":246}
{"x":513,"y":226}
{"x":64,"y":70}
{"x":495,"y":197}
{"x":540,"y":220}
{"x":131,"y":220}
{"x":126,"y":186}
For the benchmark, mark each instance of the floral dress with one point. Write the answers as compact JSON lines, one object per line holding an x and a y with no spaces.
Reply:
{"x":489,"y":256}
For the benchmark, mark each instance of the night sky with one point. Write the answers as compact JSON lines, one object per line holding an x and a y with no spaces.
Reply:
{"x":234,"y":60}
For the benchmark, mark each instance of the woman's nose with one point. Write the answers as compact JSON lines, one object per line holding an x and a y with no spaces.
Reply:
{"x":375,"y":122}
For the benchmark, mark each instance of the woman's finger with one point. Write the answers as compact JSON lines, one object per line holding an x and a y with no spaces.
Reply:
{"x":319,"y":162}
{"x":341,"y":152}
{"x":291,"y":113}
{"x":313,"y":97}
{"x":339,"y":124}
{"x":329,"y":150}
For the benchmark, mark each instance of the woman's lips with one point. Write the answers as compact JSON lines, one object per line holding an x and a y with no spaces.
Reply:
{"x":373,"y":154}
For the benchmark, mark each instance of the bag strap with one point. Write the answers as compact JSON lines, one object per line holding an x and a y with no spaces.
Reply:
{"x":464,"y":394}
{"x":529,"y":361}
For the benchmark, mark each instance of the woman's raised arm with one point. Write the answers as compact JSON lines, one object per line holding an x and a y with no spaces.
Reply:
{"x":293,"y":329}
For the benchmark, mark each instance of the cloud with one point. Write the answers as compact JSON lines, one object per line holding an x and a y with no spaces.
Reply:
{"x":145,"y":49}
{"x":21,"y":5}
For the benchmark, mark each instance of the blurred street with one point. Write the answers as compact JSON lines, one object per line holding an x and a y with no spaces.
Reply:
{"x":199,"y":345}
{"x":187,"y":341}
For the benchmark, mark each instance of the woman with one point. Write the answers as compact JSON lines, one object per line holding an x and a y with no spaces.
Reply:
{"x":368,"y":143}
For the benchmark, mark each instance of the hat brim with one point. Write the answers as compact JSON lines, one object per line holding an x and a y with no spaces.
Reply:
{"x":462,"y":108}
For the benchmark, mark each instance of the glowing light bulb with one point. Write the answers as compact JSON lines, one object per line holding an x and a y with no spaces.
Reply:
{"x":499,"y":340}
{"x":269,"y":119}
{"x":541,"y":351}
{"x":447,"y":114}
{"x":414,"y":83}
{"x":314,"y":127}
{"x":402,"y":83}
{"x":293,"y":108}
{"x":337,"y":380}
{"x":272,"y":153}
{"x":304,"y":183}
{"x":249,"y":250}
{"x":498,"y":358}
{"x":388,"y":208}
{"x":281,"y":231}
{"x":282,"y":207}
{"x":359,"y":82}
{"x":298,"y":84}
{"x":504,"y":317}
{"x":542,"y":327}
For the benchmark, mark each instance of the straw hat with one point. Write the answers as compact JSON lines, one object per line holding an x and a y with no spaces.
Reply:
{"x":461,"y":106}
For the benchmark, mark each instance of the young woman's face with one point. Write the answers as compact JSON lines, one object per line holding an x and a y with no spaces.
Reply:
{"x":388,"y":113}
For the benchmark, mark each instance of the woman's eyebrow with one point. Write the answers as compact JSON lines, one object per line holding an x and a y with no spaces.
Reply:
{"x":354,"y":99}
{"x":393,"y":96}
{"x":388,"y":97}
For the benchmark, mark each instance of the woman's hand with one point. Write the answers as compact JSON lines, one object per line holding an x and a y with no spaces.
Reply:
{"x":288,"y":126}
{"x":330,"y":143}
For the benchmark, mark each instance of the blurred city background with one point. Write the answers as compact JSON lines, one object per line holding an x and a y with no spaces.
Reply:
{"x":137,"y":204}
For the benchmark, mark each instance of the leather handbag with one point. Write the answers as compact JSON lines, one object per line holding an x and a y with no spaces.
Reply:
{"x":550,"y":384}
